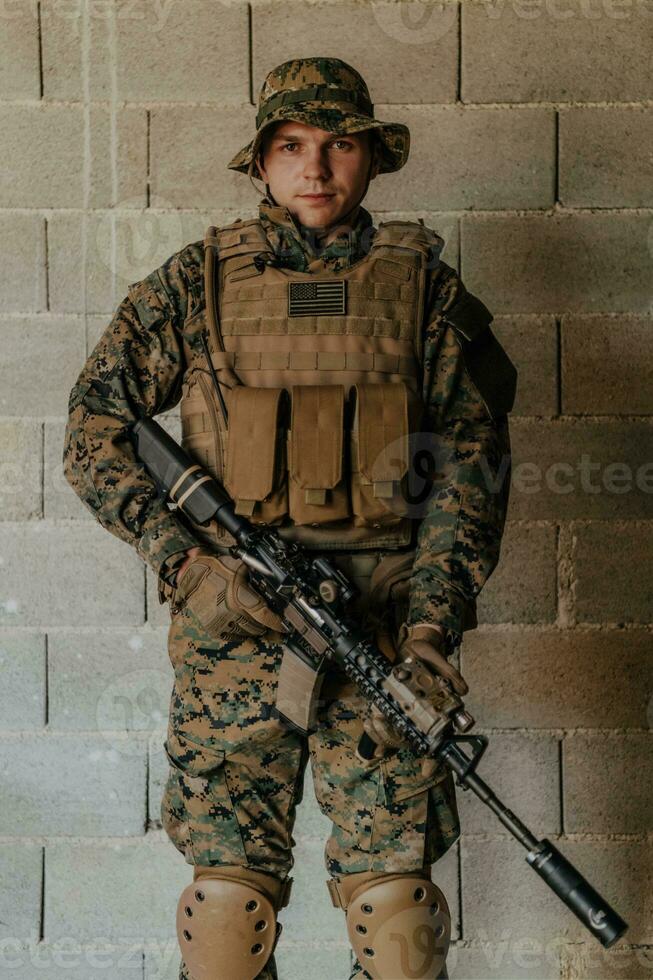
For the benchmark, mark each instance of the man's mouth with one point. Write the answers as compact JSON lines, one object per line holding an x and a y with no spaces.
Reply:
{"x":316,"y":196}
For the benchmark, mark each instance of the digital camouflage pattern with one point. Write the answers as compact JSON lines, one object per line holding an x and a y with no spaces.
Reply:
{"x":334,"y":97}
{"x":235,"y":772}
{"x":137,"y":369}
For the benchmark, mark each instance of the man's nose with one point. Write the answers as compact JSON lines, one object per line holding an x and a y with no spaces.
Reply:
{"x":316,"y":163}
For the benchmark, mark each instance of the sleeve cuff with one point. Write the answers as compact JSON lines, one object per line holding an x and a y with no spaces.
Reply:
{"x":443,"y":607}
{"x":165,"y":538}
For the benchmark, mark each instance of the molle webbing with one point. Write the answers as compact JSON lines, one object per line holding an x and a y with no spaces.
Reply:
{"x":332,"y":495}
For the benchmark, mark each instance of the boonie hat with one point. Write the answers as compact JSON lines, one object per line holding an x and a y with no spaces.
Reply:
{"x":327,"y":93}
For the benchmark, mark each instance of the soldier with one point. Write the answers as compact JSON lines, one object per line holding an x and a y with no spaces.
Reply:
{"x":328,"y":340}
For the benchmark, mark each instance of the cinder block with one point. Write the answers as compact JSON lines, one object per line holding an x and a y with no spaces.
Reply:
{"x":604,"y":157}
{"x":22,"y":259}
{"x":22,"y":694}
{"x":613,"y":565}
{"x":607,"y":365}
{"x":118,"y":681}
{"x":531,"y":343}
{"x":160,"y":46}
{"x":64,"y":785}
{"x":591,"y":961}
{"x":21,"y":469}
{"x":41,"y":359}
{"x":68,"y":575}
{"x":71,"y":35}
{"x":44,"y":156}
{"x":522,"y":769}
{"x":575,"y":51}
{"x":190,"y":150}
{"x":524,"y":909}
{"x":559,"y":262}
{"x":85,"y":271}
{"x":548,"y":678}
{"x":503,"y":960}
{"x":19,"y":52}
{"x":128,"y":157}
{"x":20,"y":898}
{"x":580,"y":469}
{"x":121,"y":248}
{"x":156,"y":48}
{"x":522,"y":588}
{"x":140,"y":886}
{"x":599,"y":768}
{"x":369,"y":37}
{"x":486,"y":158}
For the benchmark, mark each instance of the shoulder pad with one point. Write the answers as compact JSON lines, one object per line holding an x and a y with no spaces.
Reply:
{"x":238,"y":238}
{"x":409,"y":234}
{"x":468,"y":316}
{"x":191,"y":258}
{"x":487,"y":363}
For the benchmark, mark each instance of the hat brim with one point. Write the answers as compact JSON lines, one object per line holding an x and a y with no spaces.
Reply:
{"x":395,"y":137}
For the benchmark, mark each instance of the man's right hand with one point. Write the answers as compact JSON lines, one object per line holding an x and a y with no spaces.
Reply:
{"x":215,"y":589}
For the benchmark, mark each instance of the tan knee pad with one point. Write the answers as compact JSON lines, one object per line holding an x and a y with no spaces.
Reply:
{"x":227,"y":921}
{"x":399,"y":925}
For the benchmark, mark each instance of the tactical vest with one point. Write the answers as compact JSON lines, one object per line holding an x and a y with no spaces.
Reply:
{"x":321,"y":375}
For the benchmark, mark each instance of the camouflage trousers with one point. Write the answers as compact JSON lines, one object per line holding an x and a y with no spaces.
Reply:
{"x":236,"y":770}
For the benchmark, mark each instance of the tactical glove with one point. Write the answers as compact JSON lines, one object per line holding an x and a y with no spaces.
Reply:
{"x":215,"y":589}
{"x":425,"y":644}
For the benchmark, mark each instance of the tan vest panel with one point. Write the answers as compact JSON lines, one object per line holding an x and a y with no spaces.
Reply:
{"x":330,"y":374}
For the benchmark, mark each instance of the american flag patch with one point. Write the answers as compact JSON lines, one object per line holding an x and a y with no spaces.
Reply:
{"x":314,"y":298}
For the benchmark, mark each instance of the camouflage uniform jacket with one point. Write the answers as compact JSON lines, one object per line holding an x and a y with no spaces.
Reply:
{"x":136,"y":370}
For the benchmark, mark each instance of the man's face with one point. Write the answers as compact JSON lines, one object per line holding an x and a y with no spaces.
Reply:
{"x":300,"y":160}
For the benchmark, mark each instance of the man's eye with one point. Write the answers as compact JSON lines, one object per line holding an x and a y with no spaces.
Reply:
{"x":288,"y":144}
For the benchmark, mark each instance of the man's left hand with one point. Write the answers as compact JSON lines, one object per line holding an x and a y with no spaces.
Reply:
{"x":422,"y":643}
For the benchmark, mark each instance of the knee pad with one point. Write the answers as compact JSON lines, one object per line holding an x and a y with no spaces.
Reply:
{"x":227,"y":921}
{"x":399,"y":925}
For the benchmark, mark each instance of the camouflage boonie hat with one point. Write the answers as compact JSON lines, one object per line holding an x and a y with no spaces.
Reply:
{"x":327,"y":93}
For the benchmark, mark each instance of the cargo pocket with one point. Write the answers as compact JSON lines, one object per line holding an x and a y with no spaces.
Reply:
{"x":383,"y":416}
{"x":317,"y":485}
{"x":403,"y":819}
{"x":255,"y":475}
{"x":204,"y":820}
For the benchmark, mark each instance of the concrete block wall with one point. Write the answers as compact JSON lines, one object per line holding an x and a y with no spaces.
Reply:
{"x":531,"y":125}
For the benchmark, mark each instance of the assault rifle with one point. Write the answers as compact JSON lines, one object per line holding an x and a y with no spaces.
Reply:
{"x":311,"y":595}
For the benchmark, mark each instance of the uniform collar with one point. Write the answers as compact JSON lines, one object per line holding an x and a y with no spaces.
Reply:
{"x":298,"y":247}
